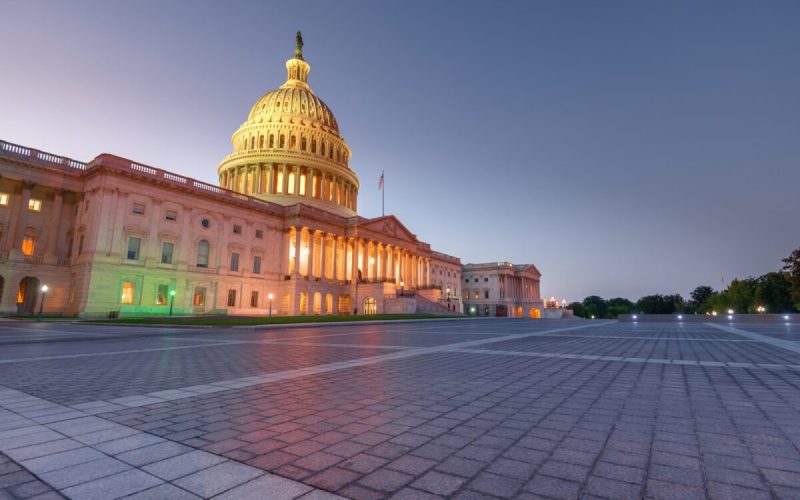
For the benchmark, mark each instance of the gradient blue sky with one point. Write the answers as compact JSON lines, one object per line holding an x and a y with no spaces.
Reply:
{"x":625,"y":148}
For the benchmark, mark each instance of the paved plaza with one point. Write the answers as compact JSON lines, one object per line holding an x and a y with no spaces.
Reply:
{"x":495,"y":408}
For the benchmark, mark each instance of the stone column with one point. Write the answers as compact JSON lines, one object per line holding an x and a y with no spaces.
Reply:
{"x":298,"y":240}
{"x":309,"y":183}
{"x":54,"y":223}
{"x":323,"y":243}
{"x":334,"y":257}
{"x":297,"y":180}
{"x":310,"y":266}
{"x":285,"y":186}
{"x":354,"y":261}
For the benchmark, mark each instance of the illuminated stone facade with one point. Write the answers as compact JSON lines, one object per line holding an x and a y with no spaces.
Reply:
{"x":113,"y":236}
{"x":502,"y":289}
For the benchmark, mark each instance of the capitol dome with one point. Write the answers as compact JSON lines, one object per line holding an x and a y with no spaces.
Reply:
{"x":289,"y":150}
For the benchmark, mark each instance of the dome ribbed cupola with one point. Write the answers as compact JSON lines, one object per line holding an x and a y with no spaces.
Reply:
{"x":289,"y":149}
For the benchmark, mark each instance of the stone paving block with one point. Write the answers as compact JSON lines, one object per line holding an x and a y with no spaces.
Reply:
{"x":182,"y":465}
{"x":218,"y":478}
{"x":153,"y":453}
{"x":332,"y":479}
{"x":62,"y":459}
{"x":165,"y":491}
{"x":83,"y":473}
{"x":276,"y":487}
{"x":40,"y":450}
{"x":385,"y":480}
{"x":136,"y":441}
{"x":112,"y":487}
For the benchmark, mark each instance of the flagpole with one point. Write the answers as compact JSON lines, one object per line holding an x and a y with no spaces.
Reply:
{"x":383,"y":195}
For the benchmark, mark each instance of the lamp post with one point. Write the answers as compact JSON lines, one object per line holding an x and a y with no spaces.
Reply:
{"x":402,"y":284}
{"x":171,"y":301}
{"x":270,"y":296}
{"x":41,"y":306}
{"x":448,"y":298}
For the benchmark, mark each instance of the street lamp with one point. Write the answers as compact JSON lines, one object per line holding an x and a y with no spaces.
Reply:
{"x":270,"y":296}
{"x":402,"y":284}
{"x":41,"y":306}
{"x":761,"y":309}
{"x":448,"y":298}
{"x":171,"y":301}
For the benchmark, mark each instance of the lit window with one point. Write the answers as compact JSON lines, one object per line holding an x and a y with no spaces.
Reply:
{"x":166,"y":252}
{"x":138,"y":208}
{"x":128,"y":292}
{"x":254,"y":299}
{"x":4,"y":199}
{"x":256,"y":264}
{"x":466,"y":294}
{"x":34,"y":205}
{"x":28,"y":244}
{"x":237,"y":229}
{"x":203,"y":250}
{"x":259,"y":234}
{"x":199,"y":298}
{"x":161,"y":295}
{"x":171,"y":215}
{"x":234,"y":262}
{"x":134,"y":244}
{"x":231,"y":298}
{"x":477,"y":295}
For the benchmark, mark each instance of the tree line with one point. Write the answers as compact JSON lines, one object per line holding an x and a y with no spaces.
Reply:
{"x":775,"y":292}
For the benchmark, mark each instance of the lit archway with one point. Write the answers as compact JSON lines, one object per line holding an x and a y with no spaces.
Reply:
{"x":27,"y":295}
{"x":370,"y":305}
{"x":303,"y":310}
{"x":535,"y":313}
{"x":317,"y":304}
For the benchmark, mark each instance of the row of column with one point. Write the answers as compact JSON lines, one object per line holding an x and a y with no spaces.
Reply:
{"x":289,"y":179}
{"x":330,"y":256}
{"x":521,"y":288}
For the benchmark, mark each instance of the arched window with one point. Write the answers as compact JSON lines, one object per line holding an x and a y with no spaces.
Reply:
{"x":203,"y":250}
{"x":293,"y":143}
{"x":252,"y":143}
{"x":303,"y":144}
{"x":271,"y":141}
{"x":282,"y":143}
{"x":261,"y":142}
{"x":322,"y":150}
{"x":313,"y":145}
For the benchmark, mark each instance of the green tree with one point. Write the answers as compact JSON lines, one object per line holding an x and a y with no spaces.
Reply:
{"x":660,"y":304}
{"x":719,"y":302}
{"x":594,"y":306}
{"x":792,"y":267}
{"x":577,"y":309}
{"x":773,"y":291}
{"x":700,"y":296}
{"x":617,"y":306}
{"x":741,"y":295}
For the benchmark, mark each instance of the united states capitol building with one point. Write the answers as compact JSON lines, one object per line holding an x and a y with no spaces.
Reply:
{"x":279,"y":235}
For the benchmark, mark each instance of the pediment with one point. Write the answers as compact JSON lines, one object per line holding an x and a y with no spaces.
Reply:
{"x":390,"y":226}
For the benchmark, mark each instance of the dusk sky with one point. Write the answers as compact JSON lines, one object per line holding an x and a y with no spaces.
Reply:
{"x":625,"y":148}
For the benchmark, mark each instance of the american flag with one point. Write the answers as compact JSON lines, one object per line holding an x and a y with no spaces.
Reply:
{"x":380,"y":182}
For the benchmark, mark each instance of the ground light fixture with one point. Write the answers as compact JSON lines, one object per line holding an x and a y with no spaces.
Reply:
{"x":761,"y":309}
{"x":41,"y":306}
{"x":635,"y":316}
{"x":786,"y":317}
{"x":680,"y":316}
{"x":730,"y":311}
{"x":171,"y":301}
{"x":730,"y":316}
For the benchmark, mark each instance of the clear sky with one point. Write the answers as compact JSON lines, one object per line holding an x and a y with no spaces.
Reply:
{"x":625,"y":148}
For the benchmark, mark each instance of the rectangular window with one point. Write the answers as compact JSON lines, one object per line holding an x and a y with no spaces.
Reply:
{"x":199,"y":298}
{"x":253,"y":299}
{"x":80,"y":245}
{"x":237,"y":229}
{"x":234,"y":262}
{"x":466,"y":294}
{"x":128,"y":292}
{"x":138,"y":208}
{"x":133,"y":248}
{"x":166,"y":252}
{"x":171,"y":215}
{"x":477,"y":295}
{"x":34,"y":205}
{"x":28,"y":245}
{"x":485,"y":280}
{"x":256,"y":264}
{"x":259,"y":234}
{"x":486,"y":294}
{"x":231,"y":298}
{"x":4,"y":199}
{"x":476,"y":280}
{"x":162,"y":295}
